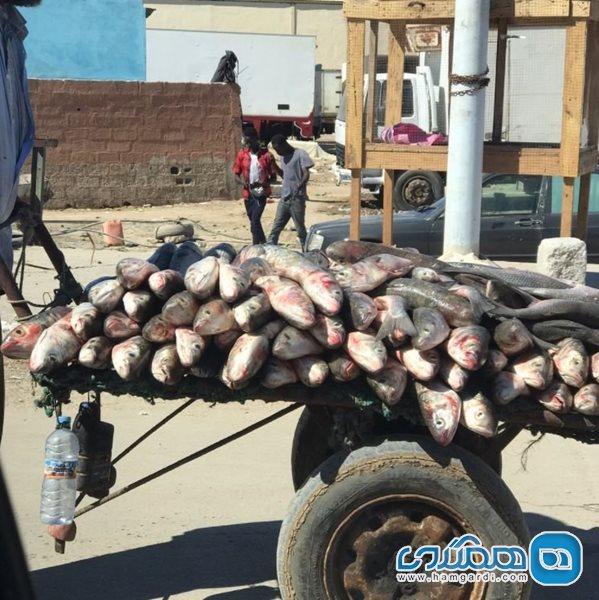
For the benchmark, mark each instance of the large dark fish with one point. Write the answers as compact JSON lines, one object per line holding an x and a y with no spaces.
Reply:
{"x":457,"y":311}
{"x":556,"y":330}
{"x":578,"y":292}
{"x":576,"y":310}
{"x":506,"y":294}
{"x":163,"y":255}
{"x":183,"y":257}
{"x":224,"y":252}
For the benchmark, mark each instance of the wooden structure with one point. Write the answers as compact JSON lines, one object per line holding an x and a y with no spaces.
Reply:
{"x":580,"y":99}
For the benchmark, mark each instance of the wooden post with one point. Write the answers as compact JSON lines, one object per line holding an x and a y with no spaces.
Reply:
{"x":583,"y":207}
{"x":372,"y":48}
{"x":500,"y":66}
{"x":567,"y":207}
{"x":354,"y":140}
{"x":393,"y":112}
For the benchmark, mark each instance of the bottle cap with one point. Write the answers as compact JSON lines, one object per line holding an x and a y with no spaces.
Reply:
{"x":64,"y":421}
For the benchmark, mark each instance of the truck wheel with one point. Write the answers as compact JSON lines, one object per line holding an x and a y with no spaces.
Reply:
{"x":346,"y":524}
{"x":310,"y":446}
{"x":414,"y":189}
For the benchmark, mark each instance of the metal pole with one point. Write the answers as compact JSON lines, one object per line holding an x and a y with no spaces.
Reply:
{"x":467,"y":113}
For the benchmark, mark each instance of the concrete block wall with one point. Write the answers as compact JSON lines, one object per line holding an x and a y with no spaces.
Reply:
{"x":135,"y":143}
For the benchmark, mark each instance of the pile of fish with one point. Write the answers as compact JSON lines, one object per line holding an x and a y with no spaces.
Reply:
{"x":458,"y":339}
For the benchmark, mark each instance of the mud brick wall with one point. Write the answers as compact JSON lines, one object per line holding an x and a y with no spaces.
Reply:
{"x":134,"y":143}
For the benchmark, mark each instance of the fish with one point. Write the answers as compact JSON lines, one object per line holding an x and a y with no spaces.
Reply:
{"x":342,"y":367}
{"x":184,"y":256}
{"x":158,"y":330}
{"x":456,"y":311}
{"x":512,"y":337}
{"x":452,"y":374}
{"x":498,"y":291}
{"x":430,"y":275}
{"x":289,"y":300}
{"x":366,"y":351}
{"x":190,"y":346}
{"x":496,"y":362}
{"x":181,"y":309}
{"x":572,"y":362}
{"x":140,"y":305}
{"x":586,"y":400}
{"x":312,"y":371}
{"x":478,"y":303}
{"x":214,"y":317}
{"x":249,"y":252}
{"x":595,"y":366}
{"x":246,"y":358}
{"x":166,"y":366}
{"x":360,"y":310}
{"x":441,"y":410}
{"x":106,"y":295}
{"x":469,"y":346}
{"x":21,"y":339}
{"x":422,"y":364}
{"x":96,"y":353}
{"x":390,"y":383}
{"x":253,"y":313}
{"x":432,"y":329}
{"x":508,"y":386}
{"x":329,"y":331}
{"x":255,"y":268}
{"x":478,"y":414}
{"x":575,"y":310}
{"x":233,"y":282}
{"x":131,"y":273}
{"x":86,"y":321}
{"x":224,"y":252}
{"x":166,"y":283}
{"x":201,"y":278}
{"x":576,"y":292}
{"x":272,"y":328}
{"x":535,"y":368}
{"x":131,"y":357}
{"x":293,"y":343}
{"x":56,"y":347}
{"x":224,"y":341}
{"x":556,"y":330}
{"x":396,"y":323}
{"x":277,"y":373}
{"x":557,"y":397}
{"x":319,"y":258}
{"x":163,"y":255}
{"x":352,"y":251}
{"x":371,"y":272}
{"x":118,"y":326}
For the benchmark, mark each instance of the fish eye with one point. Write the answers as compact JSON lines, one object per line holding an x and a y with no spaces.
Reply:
{"x":19,"y":331}
{"x":439,"y":423}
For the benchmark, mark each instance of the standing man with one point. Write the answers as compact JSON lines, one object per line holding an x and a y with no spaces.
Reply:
{"x":295,"y":171}
{"x":16,"y":120}
{"x":254,"y":168}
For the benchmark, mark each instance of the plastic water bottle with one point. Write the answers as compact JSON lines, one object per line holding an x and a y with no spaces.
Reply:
{"x":59,"y":487}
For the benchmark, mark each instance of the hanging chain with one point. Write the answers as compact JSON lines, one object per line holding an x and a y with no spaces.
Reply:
{"x":476,"y":83}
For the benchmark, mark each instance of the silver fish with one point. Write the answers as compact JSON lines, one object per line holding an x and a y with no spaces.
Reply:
{"x":396,"y":322}
{"x":512,"y":337}
{"x":56,"y":347}
{"x":572,"y":362}
{"x":86,"y":321}
{"x":360,"y":309}
{"x":312,"y":371}
{"x":469,"y":346}
{"x":277,"y":373}
{"x":329,"y":331}
{"x":535,"y":368}
{"x":131,"y":357}
{"x":556,"y":398}
{"x":432,"y":329}
{"x":118,"y":326}
{"x":166,"y":367}
{"x":390,"y":383}
{"x":586,"y":400}
{"x":507,"y":387}
{"x":496,"y":362}
{"x":166,"y":283}
{"x":293,"y":343}
{"x":422,"y":364}
{"x":96,"y":353}
{"x":366,"y":351}
{"x":478,"y":414}
{"x":190,"y":346}
{"x":257,"y":267}
{"x":158,"y":330}
{"x":214,"y":317}
{"x":224,"y":341}
{"x":201,"y":277}
{"x":180,"y":310}
{"x":441,"y":409}
{"x":140,"y":305}
{"x":131,"y":273}
{"x":342,"y":367}
{"x":253,"y":313}
{"x":106,"y":295}
{"x":272,"y":329}
{"x":289,"y":300}
{"x":452,"y":374}
{"x":233,"y":282}
{"x":246,"y":358}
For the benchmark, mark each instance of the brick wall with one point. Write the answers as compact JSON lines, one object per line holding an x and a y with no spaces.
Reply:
{"x":131,"y":143}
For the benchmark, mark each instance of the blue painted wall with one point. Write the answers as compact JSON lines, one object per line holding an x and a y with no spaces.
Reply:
{"x":86,"y":39}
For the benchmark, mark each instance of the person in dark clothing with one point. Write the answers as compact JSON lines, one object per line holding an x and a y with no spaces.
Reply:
{"x":255,"y":167}
{"x":295,"y":171}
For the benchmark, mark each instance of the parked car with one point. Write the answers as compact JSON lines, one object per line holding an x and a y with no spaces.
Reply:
{"x":517,"y":212}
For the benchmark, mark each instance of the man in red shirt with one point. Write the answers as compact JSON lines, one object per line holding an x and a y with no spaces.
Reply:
{"x":254,"y":168}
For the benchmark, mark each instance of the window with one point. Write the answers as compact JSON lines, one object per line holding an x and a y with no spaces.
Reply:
{"x":557,"y":189}
{"x":511,"y":195}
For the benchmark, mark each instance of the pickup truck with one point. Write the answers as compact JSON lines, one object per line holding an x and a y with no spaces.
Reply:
{"x":517,"y":212}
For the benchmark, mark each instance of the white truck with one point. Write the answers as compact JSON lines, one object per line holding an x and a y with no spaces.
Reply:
{"x":531,"y":114}
{"x":276,"y":73}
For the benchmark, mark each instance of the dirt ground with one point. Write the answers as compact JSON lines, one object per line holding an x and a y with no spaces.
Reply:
{"x":209,"y":530}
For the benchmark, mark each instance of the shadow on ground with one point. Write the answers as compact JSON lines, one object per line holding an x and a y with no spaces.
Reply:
{"x":214,"y":557}
{"x":587,"y":586}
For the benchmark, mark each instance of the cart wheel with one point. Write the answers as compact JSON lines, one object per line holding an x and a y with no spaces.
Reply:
{"x":310,"y":443}
{"x":346,"y":524}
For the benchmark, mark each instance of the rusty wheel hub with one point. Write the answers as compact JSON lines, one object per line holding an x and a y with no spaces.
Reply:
{"x":418,"y":192}
{"x":360,"y":557}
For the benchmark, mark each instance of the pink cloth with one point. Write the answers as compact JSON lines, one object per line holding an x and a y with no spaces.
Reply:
{"x":404,"y":133}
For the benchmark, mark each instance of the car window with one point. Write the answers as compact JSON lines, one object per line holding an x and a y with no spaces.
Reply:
{"x":511,"y":195}
{"x":557,"y":190}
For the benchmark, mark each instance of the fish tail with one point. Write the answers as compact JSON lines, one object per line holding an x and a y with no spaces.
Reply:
{"x":401,"y":322}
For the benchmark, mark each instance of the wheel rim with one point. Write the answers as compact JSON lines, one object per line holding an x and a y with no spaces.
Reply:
{"x":359,"y":562}
{"x":418,"y":192}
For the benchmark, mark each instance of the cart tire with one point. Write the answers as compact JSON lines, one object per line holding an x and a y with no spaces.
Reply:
{"x":345,"y":525}
{"x":310,"y":446}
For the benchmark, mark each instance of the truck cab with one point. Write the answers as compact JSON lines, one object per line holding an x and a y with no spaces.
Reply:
{"x":419,"y":107}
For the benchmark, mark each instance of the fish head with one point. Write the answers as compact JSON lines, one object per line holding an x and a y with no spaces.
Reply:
{"x":335,"y":331}
{"x":572,"y":363}
{"x":557,"y":397}
{"x":479,"y":417}
{"x":20,"y":341}
{"x":327,"y":289}
{"x":442,"y":418}
{"x":537,"y":370}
